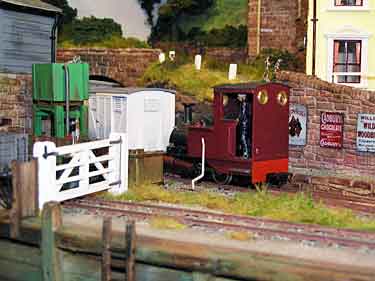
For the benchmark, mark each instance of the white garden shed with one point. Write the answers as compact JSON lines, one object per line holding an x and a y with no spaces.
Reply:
{"x":147,"y":115}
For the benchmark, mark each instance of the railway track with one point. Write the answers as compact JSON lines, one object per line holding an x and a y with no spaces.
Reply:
{"x":332,"y":198}
{"x":265,"y":228}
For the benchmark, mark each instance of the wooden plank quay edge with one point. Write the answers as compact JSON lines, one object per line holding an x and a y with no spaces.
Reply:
{"x":193,"y":257}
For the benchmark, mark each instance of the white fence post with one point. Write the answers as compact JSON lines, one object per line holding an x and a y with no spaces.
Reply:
{"x":232,"y":71}
{"x":198,"y":62}
{"x":44,"y":152}
{"x":119,"y":151}
{"x":162,"y":57}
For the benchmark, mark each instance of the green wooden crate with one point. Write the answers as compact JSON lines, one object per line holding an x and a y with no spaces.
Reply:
{"x":49,"y":82}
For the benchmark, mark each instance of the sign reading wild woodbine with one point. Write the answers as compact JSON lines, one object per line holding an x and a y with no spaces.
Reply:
{"x":331,"y":129}
{"x":366,"y":132}
{"x":297,"y":124}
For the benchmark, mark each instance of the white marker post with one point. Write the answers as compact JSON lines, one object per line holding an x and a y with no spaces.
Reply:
{"x":232,"y":71}
{"x":172,"y":55}
{"x":198,"y":62}
{"x":162,"y":57}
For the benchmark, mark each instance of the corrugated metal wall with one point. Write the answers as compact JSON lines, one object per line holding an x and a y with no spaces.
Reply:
{"x":24,"y":40}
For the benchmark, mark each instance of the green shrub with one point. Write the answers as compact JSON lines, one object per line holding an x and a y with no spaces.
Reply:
{"x":114,"y":42}
{"x":288,"y":60}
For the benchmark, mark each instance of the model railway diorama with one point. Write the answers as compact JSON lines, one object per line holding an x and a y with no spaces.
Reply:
{"x":94,"y":148}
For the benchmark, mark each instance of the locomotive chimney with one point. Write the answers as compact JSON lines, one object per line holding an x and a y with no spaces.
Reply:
{"x":188,"y":113}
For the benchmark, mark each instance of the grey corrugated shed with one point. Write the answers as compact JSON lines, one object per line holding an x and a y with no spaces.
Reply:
{"x":36,"y":4}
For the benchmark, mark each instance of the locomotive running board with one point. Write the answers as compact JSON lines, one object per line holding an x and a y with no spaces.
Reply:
{"x":244,"y":172}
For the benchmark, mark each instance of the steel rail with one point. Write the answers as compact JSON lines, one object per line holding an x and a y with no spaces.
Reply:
{"x":263,"y":227}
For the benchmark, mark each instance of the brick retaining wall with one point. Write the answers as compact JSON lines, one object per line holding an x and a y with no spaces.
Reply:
{"x":124,"y":66}
{"x":15,"y":102}
{"x":283,"y":26}
{"x":228,"y":55}
{"x":353,"y":168}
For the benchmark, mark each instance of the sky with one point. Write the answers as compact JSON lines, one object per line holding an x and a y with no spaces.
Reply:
{"x":126,"y":12}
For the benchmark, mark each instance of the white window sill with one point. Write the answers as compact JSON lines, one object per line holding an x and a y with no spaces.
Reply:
{"x":362,"y":85}
{"x":348,"y":9}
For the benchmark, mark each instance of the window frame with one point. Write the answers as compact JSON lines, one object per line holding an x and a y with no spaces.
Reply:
{"x":332,"y":7}
{"x":335,"y":4}
{"x":353,"y":35}
{"x":347,"y":64}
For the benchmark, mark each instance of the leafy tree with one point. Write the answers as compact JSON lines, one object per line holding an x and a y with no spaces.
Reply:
{"x":91,"y":30}
{"x":169,"y":13}
{"x":69,"y":14}
{"x":148,"y":6}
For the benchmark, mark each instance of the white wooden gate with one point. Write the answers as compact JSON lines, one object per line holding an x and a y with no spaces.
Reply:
{"x":76,"y":170}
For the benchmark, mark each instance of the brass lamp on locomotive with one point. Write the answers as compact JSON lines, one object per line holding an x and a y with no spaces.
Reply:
{"x":249,"y":136}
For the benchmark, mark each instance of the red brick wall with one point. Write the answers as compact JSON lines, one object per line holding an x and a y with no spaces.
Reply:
{"x":347,"y":163}
{"x":283,"y":25}
{"x":15,"y":103}
{"x":125,"y":66}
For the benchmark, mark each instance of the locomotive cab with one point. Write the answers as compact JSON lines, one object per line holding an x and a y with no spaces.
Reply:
{"x":249,"y":136}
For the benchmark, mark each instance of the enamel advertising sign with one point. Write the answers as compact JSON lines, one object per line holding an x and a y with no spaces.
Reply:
{"x":366,"y":133}
{"x":331,"y":129}
{"x":297,"y":124}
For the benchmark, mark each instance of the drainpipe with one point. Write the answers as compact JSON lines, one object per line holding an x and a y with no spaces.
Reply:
{"x":259,"y":18}
{"x":314,"y":20}
{"x":54,"y":37}
{"x":67,"y":95}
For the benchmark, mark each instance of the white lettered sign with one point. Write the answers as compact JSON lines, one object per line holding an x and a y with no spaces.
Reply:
{"x":366,"y":132}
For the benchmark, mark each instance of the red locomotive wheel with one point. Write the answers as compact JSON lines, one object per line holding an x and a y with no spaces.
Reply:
{"x":222,"y":179}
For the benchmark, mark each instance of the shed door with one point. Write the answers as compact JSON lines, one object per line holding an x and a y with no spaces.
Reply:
{"x":153,"y":136}
{"x":270,"y":129}
{"x":93,"y":115}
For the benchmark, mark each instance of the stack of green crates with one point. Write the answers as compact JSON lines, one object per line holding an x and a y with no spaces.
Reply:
{"x":49,"y":96}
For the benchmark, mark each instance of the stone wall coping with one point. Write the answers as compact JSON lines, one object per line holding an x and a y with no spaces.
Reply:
{"x":310,"y":81}
{"x":108,"y":50}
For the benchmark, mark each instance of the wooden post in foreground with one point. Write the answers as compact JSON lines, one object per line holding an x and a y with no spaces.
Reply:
{"x":25,"y":194}
{"x":130,"y":248}
{"x":106,"y":254}
{"x":15,"y":213}
{"x":51,"y":261}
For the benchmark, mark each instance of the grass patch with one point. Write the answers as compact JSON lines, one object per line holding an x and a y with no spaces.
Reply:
{"x":113,"y":43}
{"x":166,"y":223}
{"x":185,"y":78}
{"x":294,"y":208}
{"x":240,"y":236}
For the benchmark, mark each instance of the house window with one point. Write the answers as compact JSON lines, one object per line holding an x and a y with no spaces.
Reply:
{"x":347,"y":58}
{"x":344,"y":3}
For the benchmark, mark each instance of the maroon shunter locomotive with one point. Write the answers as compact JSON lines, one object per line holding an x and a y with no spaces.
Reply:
{"x":249,"y":136}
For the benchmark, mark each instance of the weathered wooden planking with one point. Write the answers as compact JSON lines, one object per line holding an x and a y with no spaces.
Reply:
{"x":25,"y":194}
{"x":16,"y":211}
{"x":19,"y":262}
{"x":28,"y":179}
{"x":25,"y":40}
{"x":130,"y":239}
{"x":87,"y":268}
{"x":106,"y":254}
{"x":51,"y":260}
{"x":193,"y":257}
{"x":219,"y":261}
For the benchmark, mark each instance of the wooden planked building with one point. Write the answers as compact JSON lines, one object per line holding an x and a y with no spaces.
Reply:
{"x":27,"y":29}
